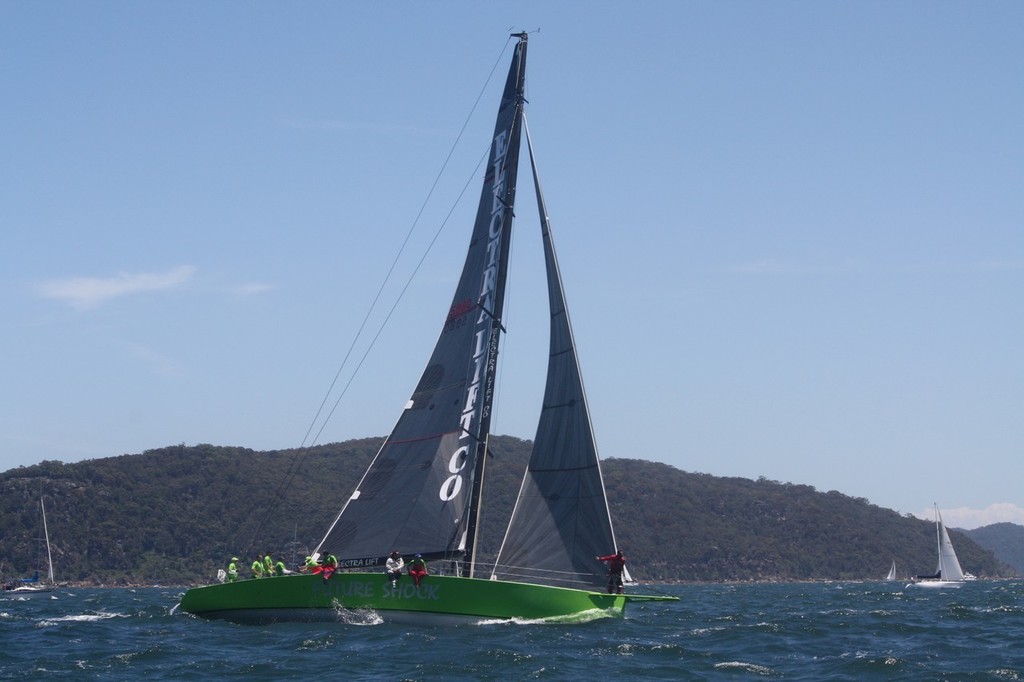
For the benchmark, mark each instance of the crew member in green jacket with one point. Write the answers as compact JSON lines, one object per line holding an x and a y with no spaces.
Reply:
{"x":268,"y":565}
{"x":257,"y":568}
{"x":329,"y":566}
{"x":279,"y":568}
{"x":233,"y":570}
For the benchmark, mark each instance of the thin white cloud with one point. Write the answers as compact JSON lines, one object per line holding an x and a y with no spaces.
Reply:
{"x":769,"y":266}
{"x":761,"y":267}
{"x":353,"y":126}
{"x":84,"y":293}
{"x":302,"y":124}
{"x":158,"y":362}
{"x":970,"y":266}
{"x":967,"y":518}
{"x":252,"y":289}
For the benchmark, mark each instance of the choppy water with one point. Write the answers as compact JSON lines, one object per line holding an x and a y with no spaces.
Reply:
{"x":851,"y":631}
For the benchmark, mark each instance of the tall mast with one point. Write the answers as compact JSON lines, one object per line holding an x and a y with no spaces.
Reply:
{"x":46,"y":534}
{"x":515,"y":83}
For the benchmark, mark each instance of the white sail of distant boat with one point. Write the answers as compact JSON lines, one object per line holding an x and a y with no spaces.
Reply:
{"x":33,"y":585}
{"x":892,"y":572}
{"x":948,"y":572}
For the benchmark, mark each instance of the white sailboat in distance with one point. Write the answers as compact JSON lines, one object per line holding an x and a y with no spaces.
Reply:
{"x":948,"y":573}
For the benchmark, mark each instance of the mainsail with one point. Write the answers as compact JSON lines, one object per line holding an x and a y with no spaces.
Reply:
{"x":418,"y":493}
{"x":561,"y":519}
{"x":949,"y":565}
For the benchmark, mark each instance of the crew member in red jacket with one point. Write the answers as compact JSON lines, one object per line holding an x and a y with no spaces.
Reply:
{"x":616,"y":565}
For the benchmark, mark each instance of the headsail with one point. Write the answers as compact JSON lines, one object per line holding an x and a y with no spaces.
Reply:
{"x":416,"y":495}
{"x":561,"y":519}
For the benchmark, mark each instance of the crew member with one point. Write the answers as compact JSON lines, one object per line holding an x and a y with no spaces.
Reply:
{"x":329,"y":566}
{"x":417,"y":569}
{"x":616,"y":565}
{"x":268,"y":565}
{"x":393,"y":567}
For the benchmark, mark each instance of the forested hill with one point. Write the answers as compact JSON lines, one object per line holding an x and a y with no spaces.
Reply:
{"x":1006,"y":540}
{"x":175,"y":515}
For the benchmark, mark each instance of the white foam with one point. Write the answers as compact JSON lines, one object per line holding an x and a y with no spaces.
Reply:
{"x":749,"y":667}
{"x":80,"y":618}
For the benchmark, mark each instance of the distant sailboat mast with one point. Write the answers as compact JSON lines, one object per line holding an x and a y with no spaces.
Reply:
{"x":46,"y":535}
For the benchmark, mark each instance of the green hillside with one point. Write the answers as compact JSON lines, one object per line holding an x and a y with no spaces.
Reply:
{"x":175,"y":515}
{"x":1005,"y":540}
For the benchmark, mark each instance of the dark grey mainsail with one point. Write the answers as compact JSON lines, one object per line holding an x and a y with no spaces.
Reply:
{"x":561,"y":519}
{"x":416,"y":496}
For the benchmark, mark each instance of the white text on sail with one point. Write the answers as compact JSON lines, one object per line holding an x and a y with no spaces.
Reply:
{"x":457,"y":462}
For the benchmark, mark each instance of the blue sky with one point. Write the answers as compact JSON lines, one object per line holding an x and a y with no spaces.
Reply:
{"x":792,"y":233}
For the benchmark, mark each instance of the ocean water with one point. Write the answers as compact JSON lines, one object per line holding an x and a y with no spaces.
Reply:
{"x":819,"y":631}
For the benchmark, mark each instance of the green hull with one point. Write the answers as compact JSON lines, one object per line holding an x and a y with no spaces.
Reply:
{"x":438,"y":599}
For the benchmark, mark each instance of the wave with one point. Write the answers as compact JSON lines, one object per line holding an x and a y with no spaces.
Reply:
{"x":745,"y":667}
{"x":81,"y":618}
{"x":581,"y":617}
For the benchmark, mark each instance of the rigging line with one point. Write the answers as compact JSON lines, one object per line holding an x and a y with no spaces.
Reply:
{"x":510,"y":279}
{"x":401,"y":250}
{"x":401,"y":294}
{"x":507,"y":311}
{"x":506,"y":314}
{"x":306,"y":443}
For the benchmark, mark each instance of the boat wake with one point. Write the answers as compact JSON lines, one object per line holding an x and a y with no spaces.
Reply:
{"x":81,"y":618}
{"x":355,"y":616}
{"x":580,"y":617}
